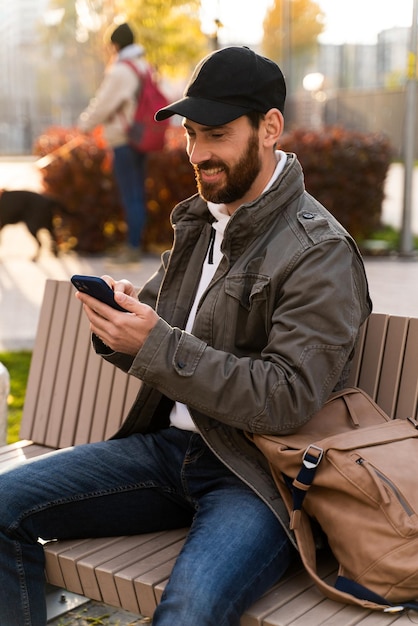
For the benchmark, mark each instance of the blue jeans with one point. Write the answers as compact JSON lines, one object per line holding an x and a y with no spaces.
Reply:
{"x":235,"y":551}
{"x":129,"y":170}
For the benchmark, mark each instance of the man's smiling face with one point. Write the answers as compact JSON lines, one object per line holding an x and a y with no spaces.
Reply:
{"x":226,"y":160}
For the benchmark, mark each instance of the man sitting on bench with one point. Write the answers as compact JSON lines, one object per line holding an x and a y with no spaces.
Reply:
{"x":248,"y":326}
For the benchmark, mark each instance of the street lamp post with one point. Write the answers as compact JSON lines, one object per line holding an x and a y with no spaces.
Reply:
{"x":406,"y":243}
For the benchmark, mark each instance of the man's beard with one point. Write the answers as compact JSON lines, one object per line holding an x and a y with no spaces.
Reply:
{"x":239,"y":177}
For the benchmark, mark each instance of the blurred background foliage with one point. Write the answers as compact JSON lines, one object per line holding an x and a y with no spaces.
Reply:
{"x":344,"y":170}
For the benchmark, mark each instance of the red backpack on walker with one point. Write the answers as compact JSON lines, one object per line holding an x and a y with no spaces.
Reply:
{"x":144,"y":133}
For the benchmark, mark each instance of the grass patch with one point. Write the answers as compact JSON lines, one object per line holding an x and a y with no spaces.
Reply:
{"x":17,"y":364}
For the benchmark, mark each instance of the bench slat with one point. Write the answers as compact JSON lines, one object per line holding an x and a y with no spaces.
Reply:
{"x":39,"y":355}
{"x":21,"y":453}
{"x":392,"y":363}
{"x":150,"y":568}
{"x":52,"y":566}
{"x":347,"y":616}
{"x":76,"y":381}
{"x":373,"y":349}
{"x":117,"y":411}
{"x":294,"y":600}
{"x":68,"y":560}
{"x":86,"y":567}
{"x":408,"y":389}
{"x":317,"y":615}
{"x":289,"y":587}
{"x":358,"y":355}
{"x":146,"y":583}
{"x":66,"y":363}
{"x":42,"y":427}
{"x":106,"y":574}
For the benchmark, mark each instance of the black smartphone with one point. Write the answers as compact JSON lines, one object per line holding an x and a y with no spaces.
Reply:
{"x":96,"y":287}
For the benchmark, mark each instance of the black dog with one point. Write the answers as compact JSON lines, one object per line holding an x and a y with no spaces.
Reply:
{"x":33,"y":209}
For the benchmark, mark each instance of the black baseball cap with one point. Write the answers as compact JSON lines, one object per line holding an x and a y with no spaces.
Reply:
{"x":229,"y":83}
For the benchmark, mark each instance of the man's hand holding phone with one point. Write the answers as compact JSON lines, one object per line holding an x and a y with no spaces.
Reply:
{"x":106,"y":303}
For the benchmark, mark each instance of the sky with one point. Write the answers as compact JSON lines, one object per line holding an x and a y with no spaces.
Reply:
{"x":353,"y":21}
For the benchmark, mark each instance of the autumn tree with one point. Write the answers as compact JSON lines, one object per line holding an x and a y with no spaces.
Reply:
{"x":170,"y":31}
{"x":291,"y":29}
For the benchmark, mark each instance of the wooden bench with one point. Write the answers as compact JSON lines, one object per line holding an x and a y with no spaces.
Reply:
{"x":73,"y":397}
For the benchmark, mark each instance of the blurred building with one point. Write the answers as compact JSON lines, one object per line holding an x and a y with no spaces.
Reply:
{"x":349,"y":66}
{"x":19,"y":43}
{"x":47,"y":73}
{"x":363,"y":88}
{"x":367,"y":66}
{"x":392,"y":55}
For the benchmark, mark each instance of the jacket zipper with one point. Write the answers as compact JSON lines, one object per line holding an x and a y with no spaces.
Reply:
{"x":211,"y":246}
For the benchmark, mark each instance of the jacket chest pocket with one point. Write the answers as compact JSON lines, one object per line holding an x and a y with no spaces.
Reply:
{"x":246,"y":312}
{"x":249,"y":290}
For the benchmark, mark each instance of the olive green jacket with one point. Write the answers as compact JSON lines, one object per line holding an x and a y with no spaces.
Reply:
{"x":273,"y":334}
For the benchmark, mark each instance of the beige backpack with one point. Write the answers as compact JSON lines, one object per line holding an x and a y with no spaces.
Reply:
{"x":355,"y":471}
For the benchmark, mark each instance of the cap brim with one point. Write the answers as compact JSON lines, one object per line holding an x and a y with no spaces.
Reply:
{"x":202,"y":111}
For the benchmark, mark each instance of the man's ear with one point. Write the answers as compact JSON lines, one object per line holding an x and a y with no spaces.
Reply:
{"x":273,"y":125}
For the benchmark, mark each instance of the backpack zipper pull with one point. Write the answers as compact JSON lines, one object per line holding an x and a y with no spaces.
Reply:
{"x":380,"y":486}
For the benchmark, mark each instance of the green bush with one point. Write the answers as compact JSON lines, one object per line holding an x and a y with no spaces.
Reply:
{"x":344,"y":170}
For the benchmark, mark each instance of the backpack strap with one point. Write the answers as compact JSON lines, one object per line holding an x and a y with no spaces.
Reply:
{"x":133,"y":66}
{"x":140,"y":75}
{"x":301,"y":484}
{"x":355,"y":589}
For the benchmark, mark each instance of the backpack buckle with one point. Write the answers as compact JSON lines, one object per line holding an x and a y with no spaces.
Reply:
{"x":312,"y":456}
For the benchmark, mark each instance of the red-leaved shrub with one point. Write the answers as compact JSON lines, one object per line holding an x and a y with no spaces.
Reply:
{"x":344,"y":170}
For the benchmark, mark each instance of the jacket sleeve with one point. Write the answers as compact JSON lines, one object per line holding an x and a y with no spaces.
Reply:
{"x":312,"y":329}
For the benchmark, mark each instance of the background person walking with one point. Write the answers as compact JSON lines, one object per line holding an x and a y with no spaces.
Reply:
{"x":113,"y":106}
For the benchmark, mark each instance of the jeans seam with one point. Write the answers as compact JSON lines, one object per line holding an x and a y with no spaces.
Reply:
{"x":22,"y":583}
